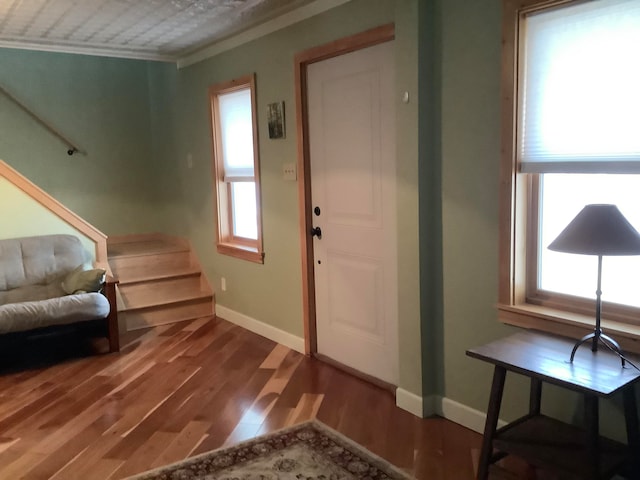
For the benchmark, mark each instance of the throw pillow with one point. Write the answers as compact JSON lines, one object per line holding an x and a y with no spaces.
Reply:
{"x":81,"y":280}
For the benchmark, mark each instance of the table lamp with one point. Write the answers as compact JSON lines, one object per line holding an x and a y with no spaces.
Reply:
{"x":598,"y":230}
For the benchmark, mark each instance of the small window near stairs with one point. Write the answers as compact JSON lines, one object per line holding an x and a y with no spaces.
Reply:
{"x":235,"y":150}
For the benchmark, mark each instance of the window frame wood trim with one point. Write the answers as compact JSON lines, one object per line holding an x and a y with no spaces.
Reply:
{"x":226,"y":242}
{"x":517,"y":306}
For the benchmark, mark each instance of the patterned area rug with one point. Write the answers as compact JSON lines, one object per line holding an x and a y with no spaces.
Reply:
{"x":308,"y":451}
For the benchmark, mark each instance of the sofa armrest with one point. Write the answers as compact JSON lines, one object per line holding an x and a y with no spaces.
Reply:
{"x":109,"y":291}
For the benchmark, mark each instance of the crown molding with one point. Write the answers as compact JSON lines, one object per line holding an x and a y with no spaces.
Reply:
{"x":88,"y":50}
{"x":283,"y":21}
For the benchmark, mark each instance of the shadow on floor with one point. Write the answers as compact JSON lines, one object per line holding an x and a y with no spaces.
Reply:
{"x":30,"y":351}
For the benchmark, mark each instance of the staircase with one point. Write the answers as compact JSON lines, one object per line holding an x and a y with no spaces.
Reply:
{"x":160,"y":280}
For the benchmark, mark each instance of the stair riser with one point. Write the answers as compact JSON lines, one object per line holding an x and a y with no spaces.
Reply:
{"x":149,"y":265}
{"x":161,"y":315}
{"x":159,"y":291}
{"x":161,"y":282}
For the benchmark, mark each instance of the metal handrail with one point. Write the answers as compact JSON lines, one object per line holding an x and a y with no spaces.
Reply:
{"x":72,"y":148}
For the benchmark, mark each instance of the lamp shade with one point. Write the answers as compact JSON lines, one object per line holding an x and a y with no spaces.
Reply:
{"x":598,"y":230}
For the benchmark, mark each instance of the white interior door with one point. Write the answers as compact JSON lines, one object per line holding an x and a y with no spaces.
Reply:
{"x":353,"y":186}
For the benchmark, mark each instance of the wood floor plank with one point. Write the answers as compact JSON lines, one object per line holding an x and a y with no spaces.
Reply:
{"x":82,"y":466}
{"x":189,"y":387}
{"x":16,"y":468}
{"x":64,"y":410}
{"x":33,"y":404}
{"x":6,"y":443}
{"x":56,"y":459}
{"x":183,"y":444}
{"x":457,"y":454}
{"x":275,"y":357}
{"x":279,"y":417}
{"x":143,"y":419}
{"x":307,"y":408}
{"x":139,"y":459}
{"x":216,"y":435}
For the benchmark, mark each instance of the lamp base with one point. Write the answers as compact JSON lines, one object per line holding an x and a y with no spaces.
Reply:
{"x":595,"y":337}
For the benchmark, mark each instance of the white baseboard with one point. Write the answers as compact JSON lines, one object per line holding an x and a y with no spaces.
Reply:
{"x":420,"y":406}
{"x":464,"y":415}
{"x":445,"y":407}
{"x":256,"y":326}
{"x":410,"y":402}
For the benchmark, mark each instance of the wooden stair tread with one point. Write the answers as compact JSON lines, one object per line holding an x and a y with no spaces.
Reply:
{"x":144,"y":276}
{"x":146,"y":247}
{"x":179,"y":297}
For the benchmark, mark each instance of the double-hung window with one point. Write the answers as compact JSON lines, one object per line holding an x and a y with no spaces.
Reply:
{"x":571,"y":137}
{"x":235,"y":146}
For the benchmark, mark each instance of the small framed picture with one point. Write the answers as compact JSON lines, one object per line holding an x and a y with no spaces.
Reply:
{"x":275,"y":116}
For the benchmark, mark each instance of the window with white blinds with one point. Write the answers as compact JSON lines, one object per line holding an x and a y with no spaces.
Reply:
{"x":580,"y":89}
{"x":237,"y":173}
{"x":236,"y":127}
{"x":570,"y":137}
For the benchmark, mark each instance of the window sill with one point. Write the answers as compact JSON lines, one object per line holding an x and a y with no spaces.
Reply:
{"x":568,"y":324}
{"x":240,"y":251}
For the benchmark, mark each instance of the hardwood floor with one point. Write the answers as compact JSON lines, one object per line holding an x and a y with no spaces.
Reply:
{"x":182,"y":389}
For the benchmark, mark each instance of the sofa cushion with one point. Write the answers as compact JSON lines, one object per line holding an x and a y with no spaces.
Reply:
{"x":81,"y":280}
{"x":38,"y":260}
{"x":30,"y":293}
{"x":19,"y":317}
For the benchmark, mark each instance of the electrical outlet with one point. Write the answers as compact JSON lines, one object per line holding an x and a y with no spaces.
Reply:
{"x":223,"y":284}
{"x":289,"y":171}
{"x":189,"y":160}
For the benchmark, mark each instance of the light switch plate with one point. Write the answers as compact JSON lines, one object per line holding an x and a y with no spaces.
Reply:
{"x":289,"y":171}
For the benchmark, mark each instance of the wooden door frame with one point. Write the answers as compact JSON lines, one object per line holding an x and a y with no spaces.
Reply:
{"x":302,"y":60}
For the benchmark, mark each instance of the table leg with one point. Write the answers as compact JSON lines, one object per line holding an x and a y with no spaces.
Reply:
{"x":535,"y":396}
{"x":633,"y":435}
{"x":592,"y":424}
{"x":493,"y":411}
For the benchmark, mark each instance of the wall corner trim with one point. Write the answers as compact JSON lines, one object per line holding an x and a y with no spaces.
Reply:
{"x":419,"y":406}
{"x":263,"y":329}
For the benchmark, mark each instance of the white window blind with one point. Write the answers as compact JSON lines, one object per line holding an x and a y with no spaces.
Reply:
{"x":236,"y":129}
{"x":581,"y":97}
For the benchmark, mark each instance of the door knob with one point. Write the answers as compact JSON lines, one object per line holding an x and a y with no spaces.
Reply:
{"x":317,"y":232}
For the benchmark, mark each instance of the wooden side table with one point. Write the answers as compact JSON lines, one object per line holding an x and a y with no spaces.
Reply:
{"x":546,"y":442}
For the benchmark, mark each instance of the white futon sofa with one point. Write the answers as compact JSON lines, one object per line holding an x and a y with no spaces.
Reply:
{"x":45,"y":282}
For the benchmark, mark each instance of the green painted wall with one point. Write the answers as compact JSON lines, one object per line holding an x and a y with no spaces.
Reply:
{"x":22,"y":216}
{"x":470,"y":156}
{"x":102,"y":104}
{"x":272,"y":292}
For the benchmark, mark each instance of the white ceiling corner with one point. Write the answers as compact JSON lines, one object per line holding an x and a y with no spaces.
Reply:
{"x":183,"y":31}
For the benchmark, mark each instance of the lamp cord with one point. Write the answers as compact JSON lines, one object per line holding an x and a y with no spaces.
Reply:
{"x":606,"y":344}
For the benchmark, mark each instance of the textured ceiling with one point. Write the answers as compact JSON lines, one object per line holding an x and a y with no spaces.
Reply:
{"x":151,"y":29}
